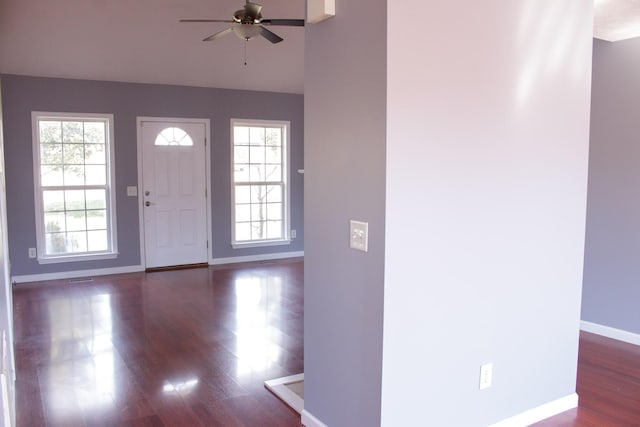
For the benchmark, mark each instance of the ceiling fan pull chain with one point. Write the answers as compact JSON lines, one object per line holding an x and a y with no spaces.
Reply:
{"x":245,"y":51}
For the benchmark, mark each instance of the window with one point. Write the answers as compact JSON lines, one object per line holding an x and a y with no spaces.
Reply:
{"x":75,"y":206}
{"x":173,"y":136}
{"x":260,"y":206}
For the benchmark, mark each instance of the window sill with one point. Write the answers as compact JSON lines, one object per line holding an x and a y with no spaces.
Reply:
{"x":258,"y":244}
{"x":76,"y":258}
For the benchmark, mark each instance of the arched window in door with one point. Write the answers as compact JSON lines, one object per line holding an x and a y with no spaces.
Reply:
{"x":174,"y":136}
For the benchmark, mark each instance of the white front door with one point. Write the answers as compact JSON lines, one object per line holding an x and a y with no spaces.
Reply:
{"x":174,"y":193}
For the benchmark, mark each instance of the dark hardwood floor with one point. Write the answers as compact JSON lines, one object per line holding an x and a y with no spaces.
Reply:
{"x":172,"y":348}
{"x":193,"y":347}
{"x":608,"y":385}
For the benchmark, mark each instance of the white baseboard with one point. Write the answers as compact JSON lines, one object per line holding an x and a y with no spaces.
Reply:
{"x":251,"y":258}
{"x":75,"y":274}
{"x":540,"y":413}
{"x":309,"y":420}
{"x":609,"y":332}
{"x":279,"y":387}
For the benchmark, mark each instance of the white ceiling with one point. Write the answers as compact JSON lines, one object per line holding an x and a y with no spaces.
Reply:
{"x":142,"y":41}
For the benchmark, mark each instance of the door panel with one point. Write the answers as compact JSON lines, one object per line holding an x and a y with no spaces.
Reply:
{"x":174,"y":189}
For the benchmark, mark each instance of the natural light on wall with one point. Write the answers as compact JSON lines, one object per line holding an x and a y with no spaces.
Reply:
{"x":616,"y":20}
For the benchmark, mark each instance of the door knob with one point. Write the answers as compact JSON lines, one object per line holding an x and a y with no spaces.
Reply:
{"x":147,"y":203}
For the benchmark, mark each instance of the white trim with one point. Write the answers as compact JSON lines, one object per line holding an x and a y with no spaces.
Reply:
{"x":609,"y":332}
{"x":285,"y":180}
{"x":251,"y":258}
{"x":207,"y":148}
{"x":109,"y":187}
{"x":78,"y":273}
{"x":261,"y":243}
{"x":540,"y":413}
{"x":308,"y":420}
{"x":279,"y":387}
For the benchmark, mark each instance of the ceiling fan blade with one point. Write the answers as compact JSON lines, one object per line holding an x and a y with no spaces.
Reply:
{"x":218,"y":35}
{"x":271,"y":36}
{"x":288,"y":22}
{"x":207,"y":20}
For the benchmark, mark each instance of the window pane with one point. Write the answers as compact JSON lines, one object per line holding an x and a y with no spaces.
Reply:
{"x":51,"y":175}
{"x":258,"y":231}
{"x":50,"y":131}
{"x":241,"y":155}
{"x":243,"y":194}
{"x":241,"y":173}
{"x":76,"y":220}
{"x":257,"y":155}
{"x":257,"y":173}
{"x":73,"y":154}
{"x":96,"y":199}
{"x":55,"y":243}
{"x":273,"y":173}
{"x":274,"y":229}
{"x":258,"y":193}
{"x":256,"y":136}
{"x":274,"y":193}
{"x":274,"y":211}
{"x":72,"y":132}
{"x":74,"y":200}
{"x":98,"y":240}
{"x":94,"y":154}
{"x":243,"y":231}
{"x":77,"y":242}
{"x":96,"y":175}
{"x":97,"y":219}
{"x":74,"y":175}
{"x":273,"y":155}
{"x":94,"y":132}
{"x":53,"y":201}
{"x":274,"y":136}
{"x":51,"y":154}
{"x":243,"y":213}
{"x":173,"y":136}
{"x":54,"y":222}
{"x":258,"y":213}
{"x":241,"y":135}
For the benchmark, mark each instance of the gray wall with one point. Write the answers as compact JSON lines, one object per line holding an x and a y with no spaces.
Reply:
{"x":612,"y":252}
{"x":6,"y":305}
{"x":463,"y":140}
{"x":345,"y":129}
{"x":127,"y":101}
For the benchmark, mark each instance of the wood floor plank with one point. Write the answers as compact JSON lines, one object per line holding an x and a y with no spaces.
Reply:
{"x":174,"y":348}
{"x":193,"y":347}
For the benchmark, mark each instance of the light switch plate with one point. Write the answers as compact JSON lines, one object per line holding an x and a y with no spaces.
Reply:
{"x":359,"y":235}
{"x":132,"y":191}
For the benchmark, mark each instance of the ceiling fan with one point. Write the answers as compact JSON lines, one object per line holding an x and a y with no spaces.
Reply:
{"x":251,"y":24}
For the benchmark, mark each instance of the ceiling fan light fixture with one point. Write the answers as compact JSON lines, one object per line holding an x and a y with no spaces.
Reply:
{"x":246,"y":31}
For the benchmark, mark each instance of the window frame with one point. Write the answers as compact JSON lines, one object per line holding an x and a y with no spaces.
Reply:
{"x":285,"y":125}
{"x":110,"y":186}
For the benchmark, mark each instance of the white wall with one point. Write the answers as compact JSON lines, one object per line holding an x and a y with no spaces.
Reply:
{"x":487,"y":146}
{"x":6,"y":313}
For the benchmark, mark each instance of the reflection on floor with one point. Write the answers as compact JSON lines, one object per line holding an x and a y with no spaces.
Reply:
{"x":172,"y":348}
